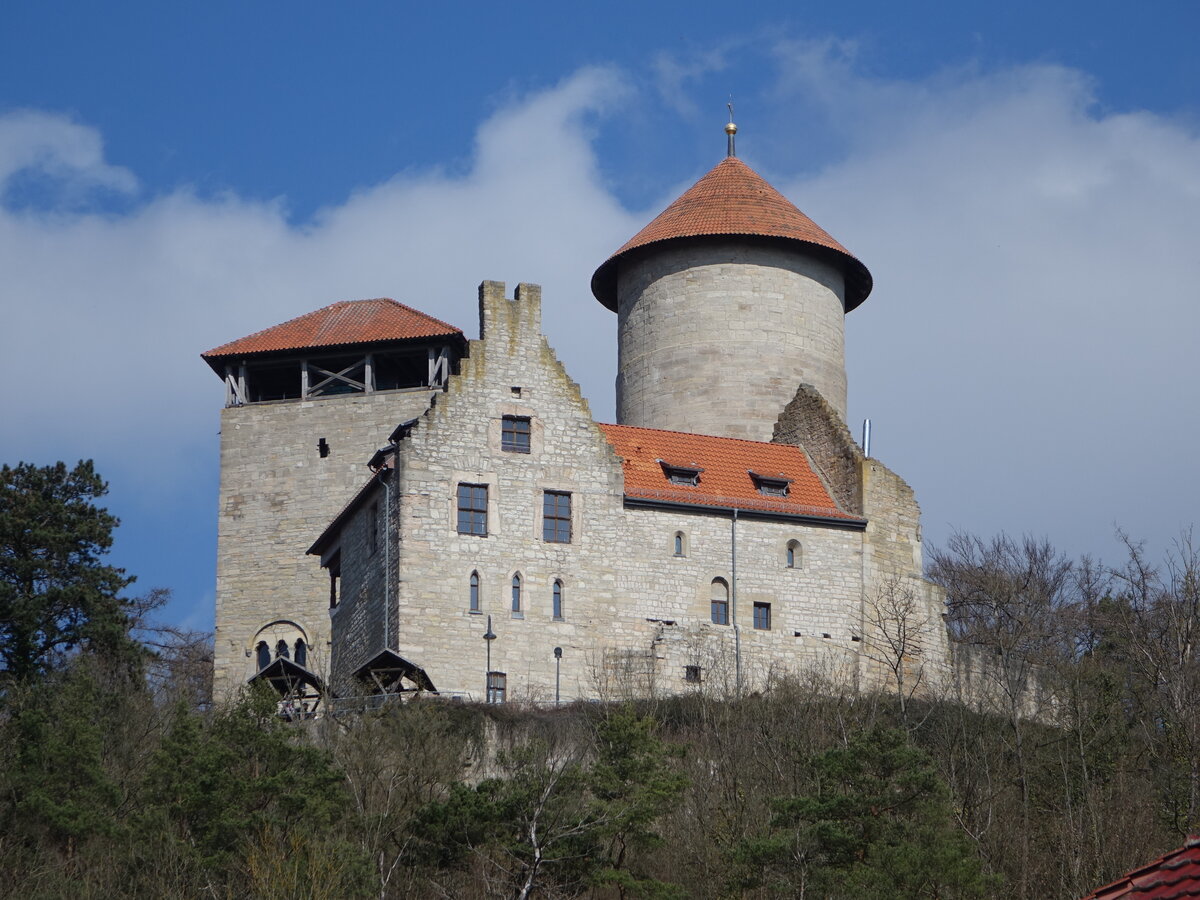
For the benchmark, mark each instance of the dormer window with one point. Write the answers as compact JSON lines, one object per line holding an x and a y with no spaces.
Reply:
{"x":688,"y":476}
{"x":771,"y":485}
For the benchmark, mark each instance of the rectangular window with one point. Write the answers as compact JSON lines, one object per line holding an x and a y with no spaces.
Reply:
{"x":514,"y":434}
{"x":556,"y":517}
{"x":720,"y":611}
{"x":762,"y":616}
{"x":691,"y":674}
{"x":472,"y":509}
{"x":497,"y":687}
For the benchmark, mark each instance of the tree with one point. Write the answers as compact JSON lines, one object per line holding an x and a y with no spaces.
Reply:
{"x":55,"y":593}
{"x":876,"y":821}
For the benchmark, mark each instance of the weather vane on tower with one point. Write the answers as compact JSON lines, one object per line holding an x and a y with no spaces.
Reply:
{"x":730,"y":129}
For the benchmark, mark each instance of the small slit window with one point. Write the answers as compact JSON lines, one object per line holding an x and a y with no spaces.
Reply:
{"x":516,"y":594}
{"x":556,"y":599}
{"x":792,"y":555}
{"x":679,"y":544}
{"x":473,"y":593}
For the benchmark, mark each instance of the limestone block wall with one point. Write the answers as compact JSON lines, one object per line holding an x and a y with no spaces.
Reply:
{"x":715,"y":336}
{"x":277,"y":495}
{"x":634,"y":614}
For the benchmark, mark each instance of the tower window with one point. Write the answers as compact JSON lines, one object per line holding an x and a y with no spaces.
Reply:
{"x":679,"y":543}
{"x":762,"y":616}
{"x":516,"y":594}
{"x":281,"y":650}
{"x":719,"y":603}
{"x":473,"y":594}
{"x":557,"y":599}
{"x":514,"y":434}
{"x":263,"y":655}
{"x":472,"y":509}
{"x":301,"y":653}
{"x":792,"y":555}
{"x":556,"y":517}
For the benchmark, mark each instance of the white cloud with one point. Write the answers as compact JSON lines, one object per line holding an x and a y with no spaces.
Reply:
{"x":1027,"y":354}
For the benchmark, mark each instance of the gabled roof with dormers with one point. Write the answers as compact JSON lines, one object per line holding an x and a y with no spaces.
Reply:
{"x":345,"y":324}
{"x":729,"y":474}
{"x":733,"y":199}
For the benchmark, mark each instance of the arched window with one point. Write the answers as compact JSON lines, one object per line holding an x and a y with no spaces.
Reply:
{"x":516,"y":593}
{"x":679,"y":543}
{"x":557,"y":604}
{"x":719,"y":603}
{"x":301,"y":652}
{"x":281,"y":650}
{"x":474,"y":593}
{"x":793,"y":555}
{"x":263,"y":652}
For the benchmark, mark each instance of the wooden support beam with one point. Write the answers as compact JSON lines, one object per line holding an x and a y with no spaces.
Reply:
{"x":439,"y":366}
{"x":369,"y":373}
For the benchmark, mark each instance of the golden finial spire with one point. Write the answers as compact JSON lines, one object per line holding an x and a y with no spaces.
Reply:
{"x":731,"y":129}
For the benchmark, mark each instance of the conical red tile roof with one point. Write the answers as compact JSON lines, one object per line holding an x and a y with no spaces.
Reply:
{"x":339,"y":324}
{"x":733,"y":199}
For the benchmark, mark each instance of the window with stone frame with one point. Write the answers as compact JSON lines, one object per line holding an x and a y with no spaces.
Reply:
{"x":719,"y":602}
{"x":556,"y":517}
{"x":514,"y":434}
{"x":692,"y":674}
{"x":792,"y":555}
{"x":473,"y":593}
{"x":762,"y":616}
{"x":472,"y":509}
{"x":516,"y":595}
{"x":556,"y":599}
{"x":680,"y":546}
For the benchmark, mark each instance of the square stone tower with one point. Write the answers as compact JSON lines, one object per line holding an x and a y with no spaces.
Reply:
{"x":306,"y":404}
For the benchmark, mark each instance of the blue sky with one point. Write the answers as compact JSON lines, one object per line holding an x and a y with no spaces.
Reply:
{"x":1022,"y":179}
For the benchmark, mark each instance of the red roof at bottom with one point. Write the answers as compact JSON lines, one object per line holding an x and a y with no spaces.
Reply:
{"x":1172,"y":876}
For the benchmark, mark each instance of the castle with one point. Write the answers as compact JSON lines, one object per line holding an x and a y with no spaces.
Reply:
{"x":406,"y":510}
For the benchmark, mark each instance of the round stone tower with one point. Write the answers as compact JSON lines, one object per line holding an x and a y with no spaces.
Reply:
{"x":726,"y":303}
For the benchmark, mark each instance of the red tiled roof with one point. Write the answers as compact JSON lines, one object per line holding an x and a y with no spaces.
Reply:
{"x":1171,"y":876}
{"x":339,"y":324}
{"x":733,"y":199}
{"x":725,"y":480}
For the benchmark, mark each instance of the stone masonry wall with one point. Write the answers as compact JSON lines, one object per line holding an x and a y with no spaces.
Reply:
{"x":714,"y":337}
{"x":277,"y":495}
{"x":634,"y":614}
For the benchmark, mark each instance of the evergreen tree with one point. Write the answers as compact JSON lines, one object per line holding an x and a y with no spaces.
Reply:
{"x":56,"y":595}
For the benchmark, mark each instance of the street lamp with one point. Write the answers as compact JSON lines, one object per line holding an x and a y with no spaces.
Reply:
{"x":557,"y":664}
{"x":488,"y":637}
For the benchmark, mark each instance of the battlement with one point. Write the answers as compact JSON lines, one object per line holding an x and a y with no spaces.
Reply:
{"x":518,"y":318}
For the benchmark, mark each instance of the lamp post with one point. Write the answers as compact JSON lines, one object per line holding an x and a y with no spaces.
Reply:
{"x":488,"y":637}
{"x":557,"y":664}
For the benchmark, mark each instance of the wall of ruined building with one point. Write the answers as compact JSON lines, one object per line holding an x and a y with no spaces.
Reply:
{"x":714,"y":336}
{"x":277,"y":495}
